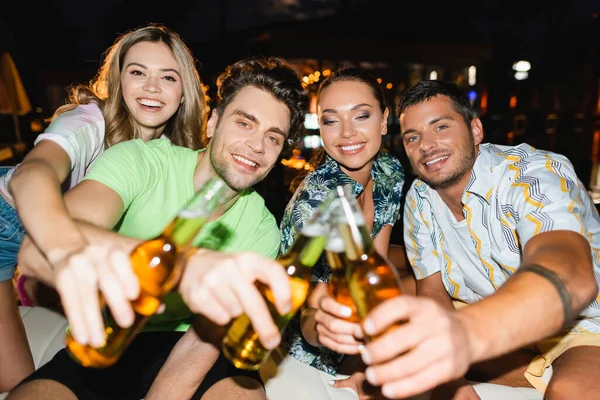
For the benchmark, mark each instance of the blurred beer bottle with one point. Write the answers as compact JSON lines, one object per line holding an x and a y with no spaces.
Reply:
{"x":338,"y":286}
{"x":370,"y":277}
{"x":241,"y":344}
{"x":158,"y":264}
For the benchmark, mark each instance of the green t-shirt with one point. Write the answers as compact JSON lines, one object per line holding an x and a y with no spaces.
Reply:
{"x":155,"y":180}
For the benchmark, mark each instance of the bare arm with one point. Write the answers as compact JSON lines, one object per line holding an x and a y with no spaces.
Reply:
{"x":187,"y":365}
{"x":36,"y":189}
{"x":94,"y":209}
{"x":553,"y":285}
{"x":78,"y":274}
{"x":434,"y":288}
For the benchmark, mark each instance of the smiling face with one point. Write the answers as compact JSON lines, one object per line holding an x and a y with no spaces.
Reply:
{"x":152,"y":86}
{"x":248,"y":138}
{"x":440,"y":145}
{"x":351,"y":124}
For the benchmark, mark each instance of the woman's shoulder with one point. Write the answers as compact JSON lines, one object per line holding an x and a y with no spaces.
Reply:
{"x":389,"y":165}
{"x":83,"y":115}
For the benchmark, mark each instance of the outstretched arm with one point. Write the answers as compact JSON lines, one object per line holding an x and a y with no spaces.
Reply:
{"x":554,"y":284}
{"x":78,"y":273}
{"x":36,"y":190}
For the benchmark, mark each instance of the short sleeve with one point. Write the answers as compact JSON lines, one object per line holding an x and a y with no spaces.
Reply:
{"x":80,"y":132}
{"x":547,"y":196}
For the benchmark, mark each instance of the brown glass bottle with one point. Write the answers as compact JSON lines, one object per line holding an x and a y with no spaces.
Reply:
{"x":241,"y":344}
{"x":338,"y":286}
{"x":158,"y":264}
{"x":371,"y":278}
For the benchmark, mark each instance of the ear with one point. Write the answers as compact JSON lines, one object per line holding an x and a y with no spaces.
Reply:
{"x":181,"y":101}
{"x":212,"y":123}
{"x":477,"y":130}
{"x":384,"y":123}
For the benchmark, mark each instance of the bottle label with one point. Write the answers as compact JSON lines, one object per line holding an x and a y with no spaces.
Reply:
{"x":191,"y":213}
{"x":335,"y":243}
{"x":314,"y":230}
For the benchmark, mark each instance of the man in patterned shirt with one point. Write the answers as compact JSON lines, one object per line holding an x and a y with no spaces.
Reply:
{"x":504,"y":242}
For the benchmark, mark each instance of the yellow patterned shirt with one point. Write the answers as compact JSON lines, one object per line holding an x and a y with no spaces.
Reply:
{"x":513,"y":194}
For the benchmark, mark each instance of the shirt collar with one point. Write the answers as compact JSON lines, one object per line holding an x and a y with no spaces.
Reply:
{"x":481,"y":182}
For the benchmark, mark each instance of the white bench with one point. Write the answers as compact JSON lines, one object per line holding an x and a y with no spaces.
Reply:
{"x":285,"y":378}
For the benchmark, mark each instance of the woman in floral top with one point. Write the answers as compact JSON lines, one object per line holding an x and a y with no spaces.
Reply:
{"x":352,"y":120}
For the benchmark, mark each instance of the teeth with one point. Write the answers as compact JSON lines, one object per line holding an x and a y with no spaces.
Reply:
{"x":245,"y":161}
{"x":150,"y":103}
{"x":353,"y":147}
{"x":436,"y":160}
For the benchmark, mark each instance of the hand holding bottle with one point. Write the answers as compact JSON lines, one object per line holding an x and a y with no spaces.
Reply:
{"x":80,"y":275}
{"x":333,"y":329}
{"x":221,"y":286}
{"x":429,"y":346}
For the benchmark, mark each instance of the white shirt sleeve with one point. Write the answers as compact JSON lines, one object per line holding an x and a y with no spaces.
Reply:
{"x":80,"y":132}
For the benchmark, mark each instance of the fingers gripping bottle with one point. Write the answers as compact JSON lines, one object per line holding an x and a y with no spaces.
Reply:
{"x":371,"y":278}
{"x":241,"y":344}
{"x":158,"y":264}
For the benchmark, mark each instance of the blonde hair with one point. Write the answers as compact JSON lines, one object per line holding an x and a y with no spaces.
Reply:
{"x":185,"y":128}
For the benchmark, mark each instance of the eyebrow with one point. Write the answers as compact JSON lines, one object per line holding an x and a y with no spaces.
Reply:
{"x":432,"y":122}
{"x":356,"y":107}
{"x":252,"y":118}
{"x":144,"y":67}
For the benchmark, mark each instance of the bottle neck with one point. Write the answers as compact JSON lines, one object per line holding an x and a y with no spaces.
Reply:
{"x":357,"y":240}
{"x":196,"y":213}
{"x":309,"y":248}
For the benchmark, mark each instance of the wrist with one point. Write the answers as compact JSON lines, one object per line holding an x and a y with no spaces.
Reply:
{"x":477,"y":346}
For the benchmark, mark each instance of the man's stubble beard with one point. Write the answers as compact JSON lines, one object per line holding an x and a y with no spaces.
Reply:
{"x":467,"y":160}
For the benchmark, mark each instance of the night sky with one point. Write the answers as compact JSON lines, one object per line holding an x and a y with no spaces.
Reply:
{"x":68,"y":37}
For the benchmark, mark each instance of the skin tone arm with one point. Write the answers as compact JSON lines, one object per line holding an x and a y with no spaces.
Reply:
{"x":36,"y":188}
{"x":554,"y":283}
{"x":95,"y":209}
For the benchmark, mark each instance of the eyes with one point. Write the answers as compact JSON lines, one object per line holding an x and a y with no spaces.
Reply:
{"x":414,"y":136}
{"x":329,"y":121}
{"x":139,"y":73}
{"x":271,"y":138}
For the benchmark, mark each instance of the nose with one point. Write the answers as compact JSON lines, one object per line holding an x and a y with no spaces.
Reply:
{"x":152,"y":84}
{"x":426,"y":143}
{"x":256,"y":144}
{"x":347,"y":131}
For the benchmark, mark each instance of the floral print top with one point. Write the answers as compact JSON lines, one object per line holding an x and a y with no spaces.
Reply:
{"x":388,"y":179}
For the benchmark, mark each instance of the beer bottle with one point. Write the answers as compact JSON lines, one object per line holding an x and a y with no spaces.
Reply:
{"x":241,"y":345}
{"x":338,"y":287}
{"x":158,"y":264}
{"x":371,"y":278}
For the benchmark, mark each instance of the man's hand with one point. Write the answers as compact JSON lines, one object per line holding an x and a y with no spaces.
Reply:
{"x":333,"y":331}
{"x":80,"y":275}
{"x":222,"y":286}
{"x":431,"y":348}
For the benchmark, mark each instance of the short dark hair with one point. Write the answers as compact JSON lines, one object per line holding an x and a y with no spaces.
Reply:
{"x":426,"y":90}
{"x":273,"y":75}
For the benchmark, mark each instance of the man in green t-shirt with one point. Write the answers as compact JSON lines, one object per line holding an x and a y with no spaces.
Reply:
{"x":261,"y":106}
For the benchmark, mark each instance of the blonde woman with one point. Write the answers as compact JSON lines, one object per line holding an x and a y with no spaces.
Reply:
{"x":147,"y":88}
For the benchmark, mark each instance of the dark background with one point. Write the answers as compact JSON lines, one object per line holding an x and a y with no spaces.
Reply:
{"x":55,"y":43}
